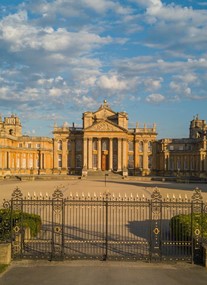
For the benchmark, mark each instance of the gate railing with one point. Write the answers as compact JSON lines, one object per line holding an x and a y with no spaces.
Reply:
{"x":105,"y":227}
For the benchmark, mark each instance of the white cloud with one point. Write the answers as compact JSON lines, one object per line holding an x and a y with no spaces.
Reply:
{"x":155,"y":98}
{"x":111,"y":82}
{"x":20,"y":34}
{"x":153,"y":84}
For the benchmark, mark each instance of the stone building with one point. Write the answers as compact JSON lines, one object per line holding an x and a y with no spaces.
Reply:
{"x":186,"y":157}
{"x":103,"y":143}
{"x":20,"y":154}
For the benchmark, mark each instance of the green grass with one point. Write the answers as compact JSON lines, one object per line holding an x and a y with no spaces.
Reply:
{"x":3,"y":267}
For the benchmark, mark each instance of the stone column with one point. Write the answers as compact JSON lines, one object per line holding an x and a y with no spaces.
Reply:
{"x":34,"y":161}
{"x":85,"y":153}
{"x":136,"y":162}
{"x":99,"y":153}
{"x":119,"y":154}
{"x":90,"y":153}
{"x":110,"y":154}
{"x":55,"y":154}
{"x":124,"y":157}
{"x":145,"y":155}
{"x":64,"y":154}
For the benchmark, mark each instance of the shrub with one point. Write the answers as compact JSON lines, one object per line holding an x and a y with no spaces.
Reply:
{"x":10,"y":219}
{"x":184,"y":226}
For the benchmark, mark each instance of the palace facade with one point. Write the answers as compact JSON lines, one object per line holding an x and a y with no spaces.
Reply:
{"x":104,"y":143}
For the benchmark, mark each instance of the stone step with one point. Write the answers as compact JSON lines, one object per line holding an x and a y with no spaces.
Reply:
{"x":103,"y":173}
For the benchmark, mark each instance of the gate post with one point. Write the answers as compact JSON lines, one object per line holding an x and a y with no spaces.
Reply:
{"x":156,"y":217}
{"x":197,"y":219}
{"x":57,"y":251}
{"x":17,"y":239}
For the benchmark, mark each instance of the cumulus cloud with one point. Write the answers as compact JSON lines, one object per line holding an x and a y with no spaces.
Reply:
{"x":111,"y":82}
{"x":155,"y":98}
{"x":20,"y":34}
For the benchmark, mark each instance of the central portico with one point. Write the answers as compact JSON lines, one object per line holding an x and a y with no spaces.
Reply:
{"x":104,"y":140}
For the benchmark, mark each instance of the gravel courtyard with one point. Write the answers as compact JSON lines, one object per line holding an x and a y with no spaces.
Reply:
{"x":116,"y":187}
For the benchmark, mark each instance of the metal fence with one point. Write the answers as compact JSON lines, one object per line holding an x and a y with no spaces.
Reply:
{"x":105,"y":227}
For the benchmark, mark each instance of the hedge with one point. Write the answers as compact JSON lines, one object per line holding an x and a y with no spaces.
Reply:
{"x":20,"y":219}
{"x":184,"y":226}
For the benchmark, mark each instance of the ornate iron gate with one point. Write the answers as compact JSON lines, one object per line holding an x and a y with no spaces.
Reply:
{"x":104,"y":227}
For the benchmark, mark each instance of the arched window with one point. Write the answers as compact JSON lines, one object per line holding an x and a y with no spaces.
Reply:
{"x":131,"y":146}
{"x":60,"y":145}
{"x":140,"y":146}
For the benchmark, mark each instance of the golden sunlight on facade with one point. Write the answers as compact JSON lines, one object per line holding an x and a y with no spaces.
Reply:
{"x":105,"y":143}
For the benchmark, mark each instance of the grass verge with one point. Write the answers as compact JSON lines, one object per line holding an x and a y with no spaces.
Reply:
{"x":3,"y":267}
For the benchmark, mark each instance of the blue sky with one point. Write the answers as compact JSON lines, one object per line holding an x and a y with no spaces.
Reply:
{"x":61,"y":58}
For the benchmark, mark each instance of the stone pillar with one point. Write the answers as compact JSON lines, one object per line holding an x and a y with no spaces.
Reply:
{"x":110,"y":154}
{"x":85,"y":153}
{"x":124,"y":157}
{"x":90,"y":153}
{"x":64,"y":154}
{"x":5,"y":253}
{"x":145,"y":156}
{"x":99,"y":153}
{"x":119,"y":154}
{"x":136,"y":162}
{"x":55,"y":154}
{"x":34,"y":161}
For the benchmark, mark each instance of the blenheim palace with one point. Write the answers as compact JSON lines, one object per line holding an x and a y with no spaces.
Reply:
{"x":104,"y":144}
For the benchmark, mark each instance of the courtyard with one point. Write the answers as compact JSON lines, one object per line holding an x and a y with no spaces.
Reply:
{"x":99,"y":186}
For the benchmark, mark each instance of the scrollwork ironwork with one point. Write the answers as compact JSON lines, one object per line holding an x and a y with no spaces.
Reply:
{"x":197,"y":197}
{"x":17,"y":194}
{"x":58,"y":194}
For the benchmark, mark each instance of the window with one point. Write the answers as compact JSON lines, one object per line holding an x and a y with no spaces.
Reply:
{"x":171,"y":147}
{"x":95,"y":144}
{"x":29,"y":145}
{"x":178,"y":164}
{"x":69,"y":145}
{"x":149,"y":146}
{"x":18,"y":162}
{"x":185,"y":164}
{"x":131,"y":145}
{"x":140,"y":146}
{"x":59,"y":145}
{"x":95,"y":161}
{"x":79,"y":161}
{"x":60,"y":160}
{"x":78,"y":145}
{"x":20,"y":144}
{"x":38,"y":145}
{"x":171,"y":164}
{"x":24,"y":162}
{"x":30,"y":162}
{"x":131,"y":162}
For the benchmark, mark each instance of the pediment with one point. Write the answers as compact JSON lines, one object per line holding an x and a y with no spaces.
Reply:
{"x":103,"y":113}
{"x":105,"y":126}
